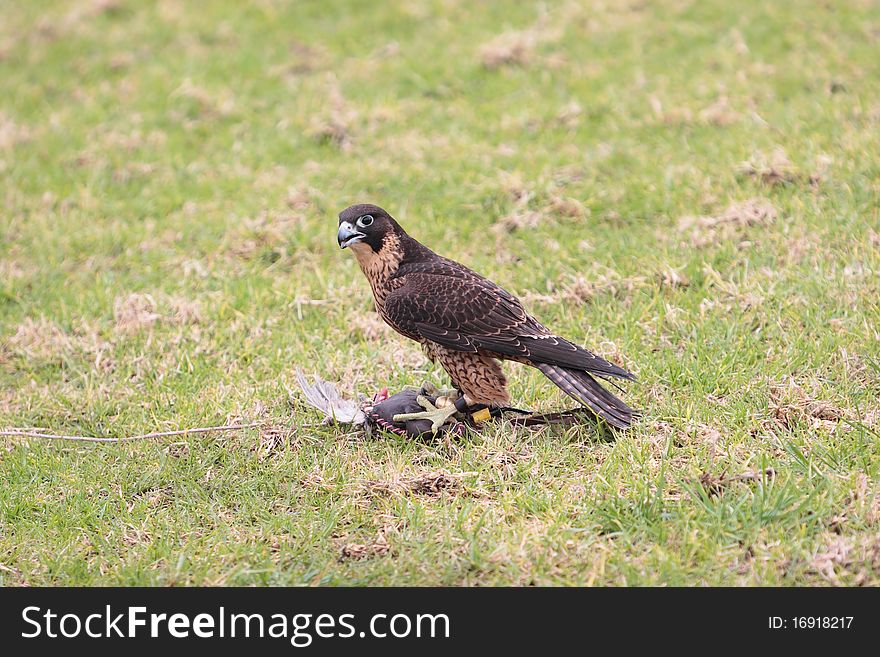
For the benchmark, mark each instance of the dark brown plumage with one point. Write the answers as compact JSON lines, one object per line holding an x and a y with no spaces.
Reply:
{"x":466,"y":322}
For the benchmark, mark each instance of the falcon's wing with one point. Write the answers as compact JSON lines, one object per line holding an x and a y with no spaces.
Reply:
{"x":461,"y":310}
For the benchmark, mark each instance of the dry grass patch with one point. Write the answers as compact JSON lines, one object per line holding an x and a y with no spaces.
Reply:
{"x":274,"y":440}
{"x":849,"y":560}
{"x":304,"y":59}
{"x":790,"y":405}
{"x":398,"y":354}
{"x":302,"y":198}
{"x":728,"y":294}
{"x":567,"y":207}
{"x":713,"y":229}
{"x":510,"y":49}
{"x":720,"y":113}
{"x":12,"y":133}
{"x":211,"y":104}
{"x":336,"y":124}
{"x":582,"y":289}
{"x":135,"y":312}
{"x":522,"y":195}
{"x":378,"y":547}
{"x":671,"y":278}
{"x":269,"y":232}
{"x":370,"y":326}
{"x":533,"y":203}
{"x":431,"y":484}
{"x":570,"y":115}
{"x":185,"y":311}
{"x":518,"y":48}
{"x":519,"y":219}
{"x":39,"y":338}
{"x":777,"y":169}
{"x":507,"y":459}
{"x":715,"y":484}
{"x":43,"y":340}
{"x":862,"y":503}
{"x":11,"y":270}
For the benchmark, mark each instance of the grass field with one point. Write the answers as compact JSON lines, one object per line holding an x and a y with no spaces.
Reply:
{"x":690,"y":188}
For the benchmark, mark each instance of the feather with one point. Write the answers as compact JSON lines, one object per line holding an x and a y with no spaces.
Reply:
{"x":584,"y":388}
{"x":323,"y":396}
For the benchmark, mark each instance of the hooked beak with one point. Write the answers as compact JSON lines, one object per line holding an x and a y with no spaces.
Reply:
{"x":347,"y":235}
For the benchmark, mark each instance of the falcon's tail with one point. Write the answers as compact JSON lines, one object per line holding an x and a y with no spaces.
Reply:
{"x":584,"y":388}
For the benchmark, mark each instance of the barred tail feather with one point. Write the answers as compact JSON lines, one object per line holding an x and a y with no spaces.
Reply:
{"x":585,"y":389}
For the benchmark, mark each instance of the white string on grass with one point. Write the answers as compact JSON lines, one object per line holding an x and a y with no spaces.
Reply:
{"x":27,"y":433}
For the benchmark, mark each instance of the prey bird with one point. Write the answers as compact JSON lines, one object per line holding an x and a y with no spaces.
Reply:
{"x":467,"y":323}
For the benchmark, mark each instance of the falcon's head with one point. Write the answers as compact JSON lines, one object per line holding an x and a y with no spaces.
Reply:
{"x":365,"y":225}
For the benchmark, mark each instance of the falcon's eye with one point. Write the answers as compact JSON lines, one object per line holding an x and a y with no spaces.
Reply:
{"x":365,"y":221}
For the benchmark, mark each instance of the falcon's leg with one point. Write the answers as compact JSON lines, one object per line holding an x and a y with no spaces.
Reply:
{"x":434,"y":391}
{"x":437,"y":415}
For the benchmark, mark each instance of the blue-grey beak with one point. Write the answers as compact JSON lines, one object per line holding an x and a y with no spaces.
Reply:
{"x":347,"y":235}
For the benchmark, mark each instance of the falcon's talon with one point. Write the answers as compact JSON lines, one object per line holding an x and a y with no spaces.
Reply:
{"x":437,"y":416}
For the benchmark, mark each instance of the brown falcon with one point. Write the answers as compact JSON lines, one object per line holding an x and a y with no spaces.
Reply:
{"x":467,"y":323}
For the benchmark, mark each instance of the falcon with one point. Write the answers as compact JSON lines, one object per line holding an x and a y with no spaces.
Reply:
{"x":467,"y":323}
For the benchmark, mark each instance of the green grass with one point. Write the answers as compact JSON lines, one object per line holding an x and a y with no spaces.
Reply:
{"x":199,"y":155}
